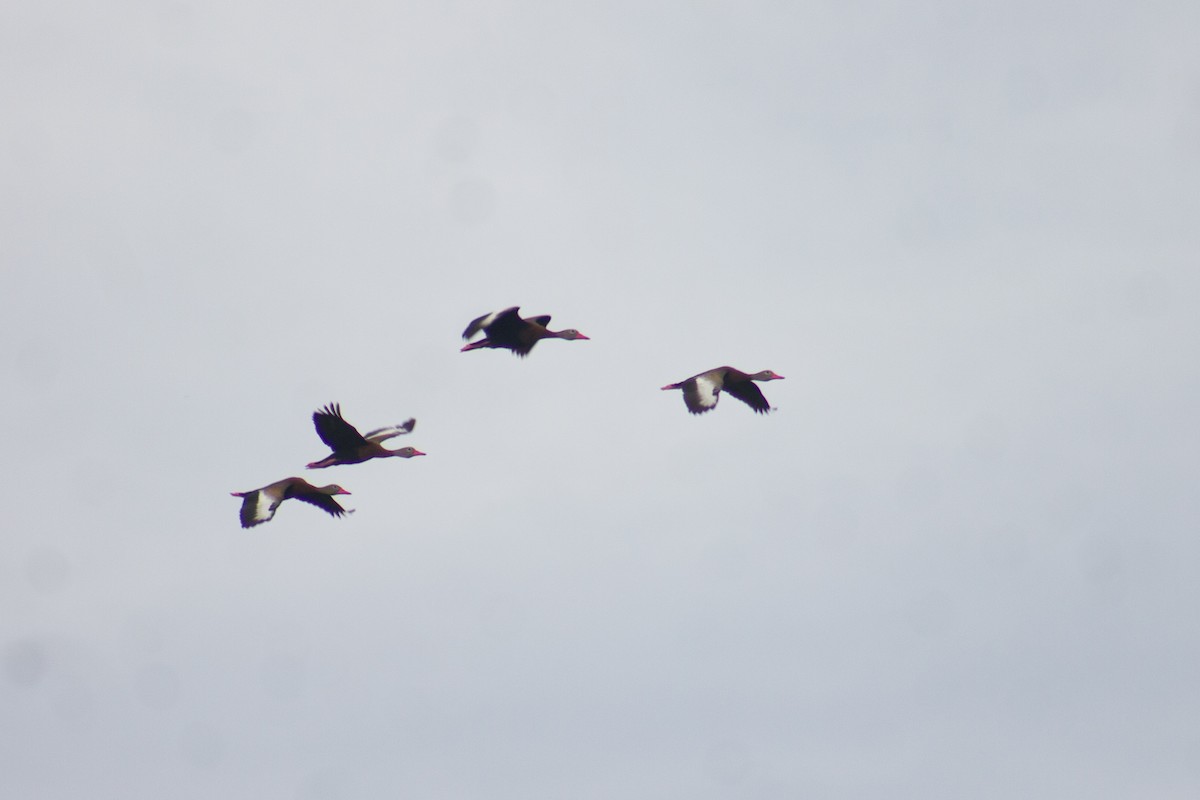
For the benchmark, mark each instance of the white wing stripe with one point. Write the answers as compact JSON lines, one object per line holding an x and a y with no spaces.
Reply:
{"x":264,"y":509}
{"x":706,"y":391}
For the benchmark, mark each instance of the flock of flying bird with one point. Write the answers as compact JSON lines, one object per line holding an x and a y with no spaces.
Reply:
{"x":505,"y":330}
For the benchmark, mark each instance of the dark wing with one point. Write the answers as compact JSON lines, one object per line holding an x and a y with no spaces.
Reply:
{"x":334,"y":431}
{"x":322,"y":501}
{"x":506,"y":317}
{"x":543,"y":320}
{"x":476,"y":326}
{"x":749,"y":393}
{"x":521,"y":345}
{"x":506,"y":327}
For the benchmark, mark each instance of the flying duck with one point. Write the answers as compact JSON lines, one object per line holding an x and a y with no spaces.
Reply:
{"x":351,"y":447}
{"x":258,"y":505}
{"x":700,"y":392}
{"x":507,"y":330}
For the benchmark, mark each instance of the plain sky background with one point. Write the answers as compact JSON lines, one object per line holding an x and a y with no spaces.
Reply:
{"x":959,"y":561}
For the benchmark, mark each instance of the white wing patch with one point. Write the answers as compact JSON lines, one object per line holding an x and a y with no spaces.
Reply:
{"x":263,"y":507}
{"x":700,"y":393}
{"x":707,"y":391}
{"x":383,"y":434}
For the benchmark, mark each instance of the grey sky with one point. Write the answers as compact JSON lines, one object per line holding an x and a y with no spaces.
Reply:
{"x":957,"y":562}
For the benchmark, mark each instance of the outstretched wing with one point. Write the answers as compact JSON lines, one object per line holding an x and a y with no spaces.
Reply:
{"x":701,"y":393}
{"x":489,"y":322}
{"x":749,"y":393}
{"x":506,"y":327}
{"x":543,"y":320}
{"x":323,"y":502}
{"x":334,"y":431}
{"x":477,"y":325}
{"x":383,"y":434}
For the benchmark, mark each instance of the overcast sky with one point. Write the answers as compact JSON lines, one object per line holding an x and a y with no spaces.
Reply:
{"x":957,"y":562}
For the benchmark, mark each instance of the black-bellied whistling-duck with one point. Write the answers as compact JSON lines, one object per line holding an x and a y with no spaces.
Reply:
{"x":258,"y":505}
{"x":700,"y":392}
{"x":351,"y":447}
{"x":507,"y":330}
